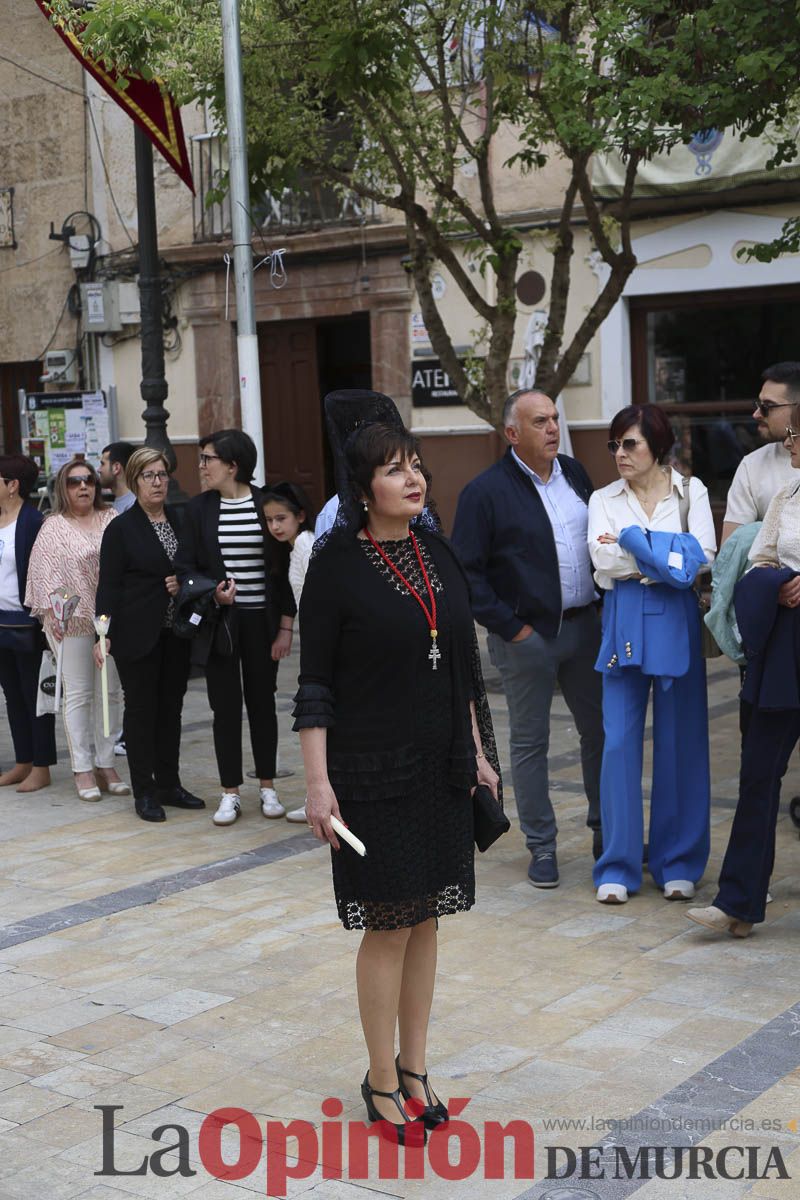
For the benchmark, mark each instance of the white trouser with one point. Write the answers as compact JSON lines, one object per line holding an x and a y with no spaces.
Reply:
{"x":83,"y":705}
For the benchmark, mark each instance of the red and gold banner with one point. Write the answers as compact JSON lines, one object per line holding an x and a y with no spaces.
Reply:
{"x":149,"y":104}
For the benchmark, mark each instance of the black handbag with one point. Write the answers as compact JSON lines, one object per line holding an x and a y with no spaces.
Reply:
{"x":490,"y":820}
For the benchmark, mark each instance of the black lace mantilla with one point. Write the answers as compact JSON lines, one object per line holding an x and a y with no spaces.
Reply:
{"x":404,"y":557}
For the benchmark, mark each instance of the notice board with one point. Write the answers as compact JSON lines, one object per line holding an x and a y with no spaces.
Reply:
{"x":58,"y":425}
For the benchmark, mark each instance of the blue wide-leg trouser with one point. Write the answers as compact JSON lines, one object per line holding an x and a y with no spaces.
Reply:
{"x":680,"y":795}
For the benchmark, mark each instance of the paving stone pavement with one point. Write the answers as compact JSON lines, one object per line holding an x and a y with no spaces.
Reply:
{"x":162,"y":972}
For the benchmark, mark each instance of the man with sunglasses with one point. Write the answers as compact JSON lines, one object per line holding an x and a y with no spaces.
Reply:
{"x":521,"y":530}
{"x":762,"y":473}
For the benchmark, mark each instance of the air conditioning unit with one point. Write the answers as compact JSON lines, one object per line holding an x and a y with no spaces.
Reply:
{"x":60,"y":366}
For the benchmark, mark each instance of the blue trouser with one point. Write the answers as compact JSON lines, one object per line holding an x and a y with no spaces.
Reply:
{"x":744,"y":879}
{"x":680,"y":795}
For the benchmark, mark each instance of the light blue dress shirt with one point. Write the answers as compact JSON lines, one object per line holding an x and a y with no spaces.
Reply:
{"x":124,"y":502}
{"x":569,"y":518}
{"x":327,"y":516}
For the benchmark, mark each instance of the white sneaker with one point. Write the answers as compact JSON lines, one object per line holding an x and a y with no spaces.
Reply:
{"x":270,"y":804}
{"x":678,"y":889}
{"x":230,"y":809}
{"x":120,"y":748}
{"x":297,"y":814}
{"x":612,"y":893}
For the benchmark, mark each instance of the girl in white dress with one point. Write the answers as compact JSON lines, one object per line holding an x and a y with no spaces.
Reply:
{"x":290,"y":521}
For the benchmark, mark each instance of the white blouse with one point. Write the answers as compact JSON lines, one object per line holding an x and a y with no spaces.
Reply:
{"x":778,"y":540}
{"x":615,"y":507}
{"x":298,"y":563}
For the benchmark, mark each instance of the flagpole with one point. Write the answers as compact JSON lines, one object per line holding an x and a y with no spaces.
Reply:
{"x":246,"y":336}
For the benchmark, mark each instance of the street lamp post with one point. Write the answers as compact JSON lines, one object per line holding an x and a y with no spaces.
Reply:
{"x":154,"y":387}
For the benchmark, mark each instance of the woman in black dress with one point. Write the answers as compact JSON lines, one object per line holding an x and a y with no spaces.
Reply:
{"x":391,"y":746}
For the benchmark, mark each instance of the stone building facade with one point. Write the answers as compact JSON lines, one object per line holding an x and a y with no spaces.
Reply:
{"x":694,"y":327}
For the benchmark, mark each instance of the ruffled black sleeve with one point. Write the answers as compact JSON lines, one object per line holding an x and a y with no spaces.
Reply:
{"x":320,"y":625}
{"x":313,"y":707}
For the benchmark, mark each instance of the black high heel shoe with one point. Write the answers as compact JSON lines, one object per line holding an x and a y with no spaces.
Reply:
{"x":367,"y":1092}
{"x":434,"y":1113}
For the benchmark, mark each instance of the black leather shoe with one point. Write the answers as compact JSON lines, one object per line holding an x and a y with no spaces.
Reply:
{"x":178,"y":797}
{"x":414,"y":1127}
{"x":434,"y":1112}
{"x":148,"y":808}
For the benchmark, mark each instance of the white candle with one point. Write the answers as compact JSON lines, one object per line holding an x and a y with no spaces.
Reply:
{"x":101,"y":624}
{"x":348,"y":837}
{"x":59,"y":660}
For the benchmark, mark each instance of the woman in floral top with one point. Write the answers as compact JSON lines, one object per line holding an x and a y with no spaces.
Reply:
{"x":66,"y":558}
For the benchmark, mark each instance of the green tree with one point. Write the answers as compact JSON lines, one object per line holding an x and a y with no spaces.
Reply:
{"x":403,"y":103}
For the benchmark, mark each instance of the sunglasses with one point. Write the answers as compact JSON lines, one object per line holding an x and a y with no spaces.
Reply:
{"x":766,"y":409}
{"x":627,"y":444}
{"x":76,"y":480}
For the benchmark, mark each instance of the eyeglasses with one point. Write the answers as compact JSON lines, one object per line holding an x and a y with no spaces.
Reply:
{"x":205,"y":459}
{"x":76,"y":480}
{"x":766,"y":409}
{"x":154,"y":476}
{"x":627,"y":444}
{"x":791,"y":433}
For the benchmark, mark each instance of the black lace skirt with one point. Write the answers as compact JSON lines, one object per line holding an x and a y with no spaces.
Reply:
{"x":419,"y":863}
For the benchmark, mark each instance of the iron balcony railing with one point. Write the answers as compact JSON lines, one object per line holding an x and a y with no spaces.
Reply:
{"x":311,"y":206}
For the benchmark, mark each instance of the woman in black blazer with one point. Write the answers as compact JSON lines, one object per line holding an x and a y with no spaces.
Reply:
{"x":136,"y":590}
{"x":21,"y":640}
{"x":225,"y":537}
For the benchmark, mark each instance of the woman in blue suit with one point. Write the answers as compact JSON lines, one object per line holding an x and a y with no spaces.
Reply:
{"x":21,"y":639}
{"x":649,"y":533}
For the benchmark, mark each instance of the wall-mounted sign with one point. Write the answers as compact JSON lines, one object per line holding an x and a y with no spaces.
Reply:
{"x":7,"y":238}
{"x":431,"y":385}
{"x":58,"y":425}
{"x":419,"y":333}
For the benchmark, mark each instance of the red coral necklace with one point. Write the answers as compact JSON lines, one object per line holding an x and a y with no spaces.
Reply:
{"x":430,"y":613}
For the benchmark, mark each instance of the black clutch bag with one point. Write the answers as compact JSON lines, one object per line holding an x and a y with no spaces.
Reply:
{"x":490,"y":820}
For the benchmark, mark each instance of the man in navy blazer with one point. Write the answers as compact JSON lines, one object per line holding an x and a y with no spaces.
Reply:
{"x":521,"y":532}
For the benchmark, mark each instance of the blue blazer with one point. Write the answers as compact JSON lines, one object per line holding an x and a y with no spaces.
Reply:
{"x":29,"y":522}
{"x":649,"y":626}
{"x":770,"y":638}
{"x":504,"y":538}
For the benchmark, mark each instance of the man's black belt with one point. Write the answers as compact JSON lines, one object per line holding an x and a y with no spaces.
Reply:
{"x":569,"y":614}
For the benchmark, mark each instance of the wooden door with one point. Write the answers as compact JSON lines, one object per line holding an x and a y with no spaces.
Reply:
{"x":291,"y":406}
{"x":14,"y":376}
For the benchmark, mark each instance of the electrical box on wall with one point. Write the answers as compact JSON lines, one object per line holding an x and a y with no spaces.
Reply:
{"x":100,"y":306}
{"x":60,"y":366}
{"x":108,"y":304}
{"x":129,"y":307}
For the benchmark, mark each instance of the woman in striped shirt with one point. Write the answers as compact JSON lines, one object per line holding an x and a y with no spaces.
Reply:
{"x":224,"y":538}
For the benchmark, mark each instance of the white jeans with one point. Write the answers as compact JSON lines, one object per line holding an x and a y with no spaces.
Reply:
{"x":83,"y":705}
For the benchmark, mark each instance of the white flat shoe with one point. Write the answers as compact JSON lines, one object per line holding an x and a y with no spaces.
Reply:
{"x":612,"y":893}
{"x":116,"y":787}
{"x":90,"y":793}
{"x":678,"y":889}
{"x":229,"y":810}
{"x":270,"y":804}
{"x":297,"y":814}
{"x":714,"y":918}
